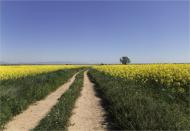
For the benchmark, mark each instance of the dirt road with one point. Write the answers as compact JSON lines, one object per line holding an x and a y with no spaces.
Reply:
{"x":30,"y":118}
{"x":88,"y":113}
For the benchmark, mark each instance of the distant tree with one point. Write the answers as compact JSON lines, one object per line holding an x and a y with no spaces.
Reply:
{"x":125,"y":60}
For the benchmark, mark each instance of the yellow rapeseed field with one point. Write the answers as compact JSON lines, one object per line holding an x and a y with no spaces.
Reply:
{"x":173,"y":76}
{"x":14,"y":72}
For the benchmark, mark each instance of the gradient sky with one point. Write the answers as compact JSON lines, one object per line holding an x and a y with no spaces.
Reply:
{"x":94,"y":32}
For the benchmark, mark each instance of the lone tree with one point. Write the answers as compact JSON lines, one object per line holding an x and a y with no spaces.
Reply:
{"x":125,"y":60}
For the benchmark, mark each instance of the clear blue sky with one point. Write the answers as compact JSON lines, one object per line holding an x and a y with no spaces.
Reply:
{"x":94,"y":32}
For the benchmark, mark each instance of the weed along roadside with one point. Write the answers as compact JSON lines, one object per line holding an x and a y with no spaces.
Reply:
{"x":135,"y":107}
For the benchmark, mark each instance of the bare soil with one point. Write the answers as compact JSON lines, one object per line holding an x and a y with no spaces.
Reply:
{"x":88,"y":114}
{"x":30,"y":118}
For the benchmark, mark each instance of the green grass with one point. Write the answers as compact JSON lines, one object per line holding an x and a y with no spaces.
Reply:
{"x":133,"y":107}
{"x":58,"y":117}
{"x":17,"y":95}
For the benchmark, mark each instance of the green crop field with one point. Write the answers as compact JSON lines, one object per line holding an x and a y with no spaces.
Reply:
{"x":146,"y":96}
{"x":23,"y":85}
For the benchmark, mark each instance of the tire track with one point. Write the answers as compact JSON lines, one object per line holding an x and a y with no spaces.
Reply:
{"x":88,"y":113}
{"x":30,"y":118}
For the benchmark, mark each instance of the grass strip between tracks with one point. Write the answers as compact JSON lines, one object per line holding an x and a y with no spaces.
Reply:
{"x":58,"y":117}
